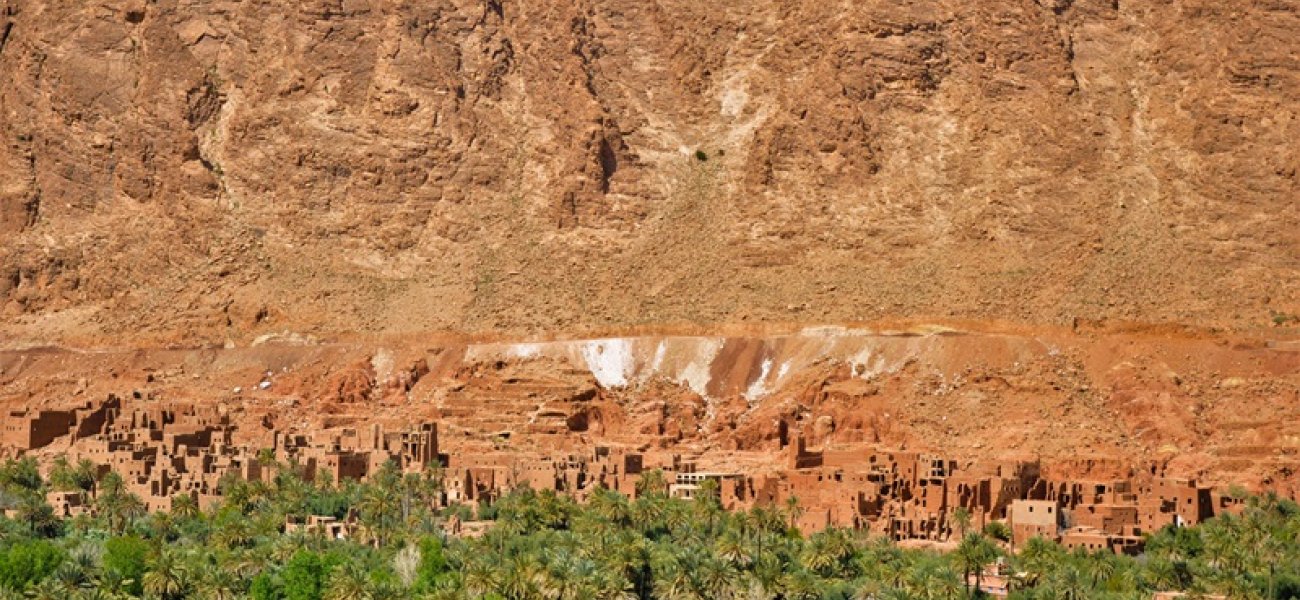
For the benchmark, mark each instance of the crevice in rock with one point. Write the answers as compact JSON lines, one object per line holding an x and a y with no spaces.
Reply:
{"x":503,"y":60}
{"x":33,"y":205}
{"x":568,"y":211}
{"x":1058,"y":7}
{"x":33,"y":209}
{"x":6,"y":26}
{"x":202,"y":102}
{"x":10,"y":281}
{"x":1074,"y":70}
{"x":587,"y":51}
{"x":608,"y":164}
{"x":4,"y":35}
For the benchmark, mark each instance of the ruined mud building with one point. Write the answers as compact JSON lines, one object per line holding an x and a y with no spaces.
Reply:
{"x":902,"y":495}
{"x":912,"y":495}
{"x":165,"y":450}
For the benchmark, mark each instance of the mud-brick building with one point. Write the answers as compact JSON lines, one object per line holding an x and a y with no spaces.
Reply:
{"x":1092,"y":540}
{"x":167,"y":449}
{"x":485,"y":477}
{"x":1034,"y":518}
{"x":30,"y":430}
{"x":24,"y":430}
{"x":616,"y":469}
{"x":909,"y":495}
{"x":349,"y":453}
{"x":1167,"y":501}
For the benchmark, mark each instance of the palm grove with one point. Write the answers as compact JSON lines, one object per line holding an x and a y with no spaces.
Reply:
{"x":544,"y":545}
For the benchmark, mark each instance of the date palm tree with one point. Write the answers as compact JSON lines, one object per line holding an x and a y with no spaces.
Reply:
{"x":675,"y":583}
{"x":348,"y":582}
{"x":609,"y":505}
{"x":718,"y":578}
{"x":732,"y":548}
{"x":81,"y":567}
{"x":800,"y":585}
{"x":973,"y":554}
{"x":36,"y":512}
{"x":185,"y":506}
{"x":48,"y":589}
{"x":523,"y":577}
{"x":67,"y":477}
{"x":168,"y":577}
{"x":961,"y":519}
{"x":480,"y":577}
{"x":218,"y":584}
{"x":944,"y":584}
{"x":1101,"y":566}
{"x":98,"y":593}
{"x":116,"y":505}
{"x":233,"y":532}
{"x":652,"y":483}
{"x":793,"y":510}
{"x":933,"y":579}
{"x":647,"y":513}
{"x":245,"y":564}
{"x":1069,"y":583}
{"x":378,"y":506}
{"x":1036,"y":559}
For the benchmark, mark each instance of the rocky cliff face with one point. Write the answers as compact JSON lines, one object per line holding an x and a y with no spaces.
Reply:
{"x":197,"y":172}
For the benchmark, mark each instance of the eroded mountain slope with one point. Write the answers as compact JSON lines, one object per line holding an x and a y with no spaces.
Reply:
{"x":196,"y":172}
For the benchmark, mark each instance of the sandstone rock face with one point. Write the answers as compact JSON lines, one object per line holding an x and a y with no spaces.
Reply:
{"x":203,"y":172}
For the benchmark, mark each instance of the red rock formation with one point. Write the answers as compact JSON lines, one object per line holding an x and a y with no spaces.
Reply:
{"x":179,"y":171}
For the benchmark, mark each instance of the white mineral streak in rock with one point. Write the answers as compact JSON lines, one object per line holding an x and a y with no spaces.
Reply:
{"x":655,"y":365}
{"x":759,"y":387}
{"x":621,"y":362}
{"x":859,"y":362}
{"x":524,"y":351}
{"x":382,"y":362}
{"x":696,"y":374}
{"x":609,"y":360}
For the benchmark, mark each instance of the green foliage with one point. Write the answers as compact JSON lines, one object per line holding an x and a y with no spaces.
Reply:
{"x":28,"y":562}
{"x":33,"y":510}
{"x":526,"y":511}
{"x":68,"y":477}
{"x":305,"y":575}
{"x":22,"y":474}
{"x":487,"y":511}
{"x":465,"y":513}
{"x":998,"y":531}
{"x":652,"y":483}
{"x":433,"y":564}
{"x":118,"y":506}
{"x":264,"y":588}
{"x":546,"y":545}
{"x":168,"y":576}
{"x":126,"y":559}
{"x":961,"y":518}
